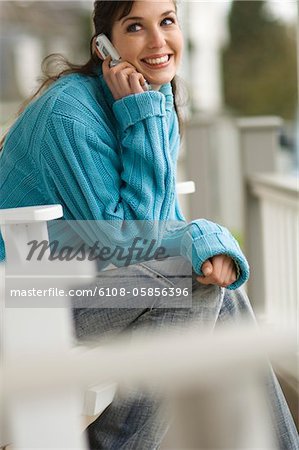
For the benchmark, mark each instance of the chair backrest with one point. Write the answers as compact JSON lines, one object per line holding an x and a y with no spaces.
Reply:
{"x":33,"y":331}
{"x":21,"y":225}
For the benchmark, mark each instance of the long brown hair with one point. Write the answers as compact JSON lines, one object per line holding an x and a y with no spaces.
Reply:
{"x":105,"y":13}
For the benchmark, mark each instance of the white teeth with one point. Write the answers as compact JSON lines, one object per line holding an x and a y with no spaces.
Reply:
{"x":157,"y":60}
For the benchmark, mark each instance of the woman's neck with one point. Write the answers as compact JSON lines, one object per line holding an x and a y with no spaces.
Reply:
{"x":155,"y":87}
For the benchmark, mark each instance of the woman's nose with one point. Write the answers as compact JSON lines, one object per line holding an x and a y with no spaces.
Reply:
{"x":156,"y":39}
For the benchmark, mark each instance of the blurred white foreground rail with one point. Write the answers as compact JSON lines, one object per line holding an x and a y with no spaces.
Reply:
{"x":168,"y":360}
{"x":205,"y":379}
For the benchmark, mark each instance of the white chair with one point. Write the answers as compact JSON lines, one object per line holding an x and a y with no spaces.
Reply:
{"x":33,"y":331}
{"x":44,"y":326}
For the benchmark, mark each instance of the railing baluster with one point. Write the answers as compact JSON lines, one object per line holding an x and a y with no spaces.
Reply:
{"x":278,"y":197}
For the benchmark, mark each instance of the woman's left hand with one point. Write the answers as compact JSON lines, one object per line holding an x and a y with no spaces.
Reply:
{"x":122,"y":79}
{"x":219,"y":270}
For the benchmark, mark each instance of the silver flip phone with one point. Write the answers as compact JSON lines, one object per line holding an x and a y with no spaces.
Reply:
{"x":106,"y":48}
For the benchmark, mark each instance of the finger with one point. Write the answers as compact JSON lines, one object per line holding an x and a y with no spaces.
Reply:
{"x":130,"y":71}
{"x":125,"y":70}
{"x":123,"y":78}
{"x":109,"y":78}
{"x":204,"y":280}
{"x":231,"y":276}
{"x":223,"y":274}
{"x":218,"y":263}
{"x":120,"y":66}
{"x":112,"y":73}
{"x":105,"y":65}
{"x":207,"y":268}
{"x":222,"y":269}
{"x":232,"y":280}
{"x":213,"y":270}
{"x":228,"y":268}
{"x":121,"y":84}
{"x":136,"y":81}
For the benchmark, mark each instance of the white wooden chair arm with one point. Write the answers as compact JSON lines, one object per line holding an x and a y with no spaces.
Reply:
{"x":29,"y":214}
{"x":44,"y":213}
{"x":185,"y":187}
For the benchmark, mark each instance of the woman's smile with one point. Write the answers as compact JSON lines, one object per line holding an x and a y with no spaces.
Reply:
{"x":156,"y":61}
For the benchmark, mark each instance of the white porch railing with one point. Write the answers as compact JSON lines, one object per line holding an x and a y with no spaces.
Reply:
{"x":237,"y":167}
{"x":278,"y":200}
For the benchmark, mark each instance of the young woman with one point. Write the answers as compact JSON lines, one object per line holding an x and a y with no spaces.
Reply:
{"x":102,"y":145}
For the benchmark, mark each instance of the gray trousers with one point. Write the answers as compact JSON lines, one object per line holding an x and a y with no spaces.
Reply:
{"x":137,"y":421}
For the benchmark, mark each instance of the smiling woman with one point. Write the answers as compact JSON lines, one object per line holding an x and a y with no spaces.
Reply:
{"x":97,"y":142}
{"x":151,"y":40}
{"x":150,"y":43}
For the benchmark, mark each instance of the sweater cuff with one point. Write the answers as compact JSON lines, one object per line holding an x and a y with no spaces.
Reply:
{"x":134,"y":108}
{"x":207,"y":245}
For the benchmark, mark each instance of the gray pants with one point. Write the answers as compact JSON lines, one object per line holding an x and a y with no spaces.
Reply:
{"x":137,"y":422}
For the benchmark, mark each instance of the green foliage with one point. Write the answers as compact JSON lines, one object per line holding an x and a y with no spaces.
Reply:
{"x":238,"y":235}
{"x":259,"y":63}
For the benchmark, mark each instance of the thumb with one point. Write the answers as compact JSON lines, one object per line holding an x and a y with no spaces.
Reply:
{"x":207,"y":268}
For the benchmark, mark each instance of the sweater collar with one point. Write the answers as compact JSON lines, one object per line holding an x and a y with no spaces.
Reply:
{"x":165,"y":89}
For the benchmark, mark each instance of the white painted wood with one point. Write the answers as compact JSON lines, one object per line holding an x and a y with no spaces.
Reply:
{"x":278,"y":198}
{"x":21,"y":225}
{"x":97,"y":398}
{"x":43,"y":417}
{"x":145,"y":361}
{"x":259,"y":123}
{"x":185,"y":187}
{"x":29,"y":214}
{"x":34,"y":332}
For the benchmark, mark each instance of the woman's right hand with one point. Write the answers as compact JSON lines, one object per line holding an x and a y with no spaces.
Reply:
{"x":219,"y":270}
{"x":123,"y":79}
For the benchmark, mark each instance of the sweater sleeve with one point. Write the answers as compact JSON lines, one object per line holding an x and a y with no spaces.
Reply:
{"x":202,"y":239}
{"x":147,"y":162}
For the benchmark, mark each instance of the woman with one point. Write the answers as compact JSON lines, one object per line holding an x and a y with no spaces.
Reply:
{"x":102,"y":145}
{"x":103,"y":114}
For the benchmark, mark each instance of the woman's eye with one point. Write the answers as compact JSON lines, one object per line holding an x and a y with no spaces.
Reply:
{"x":134,"y":27}
{"x":167,"y":21}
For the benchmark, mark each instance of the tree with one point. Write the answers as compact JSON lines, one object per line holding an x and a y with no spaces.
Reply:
{"x":259,"y":63}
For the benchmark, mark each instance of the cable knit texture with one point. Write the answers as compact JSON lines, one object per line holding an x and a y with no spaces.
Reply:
{"x":107,"y":160}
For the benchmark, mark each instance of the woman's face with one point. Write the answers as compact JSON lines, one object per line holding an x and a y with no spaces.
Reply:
{"x":150,"y":38}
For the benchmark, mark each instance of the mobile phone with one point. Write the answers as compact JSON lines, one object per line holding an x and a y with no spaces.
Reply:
{"x":106,"y":48}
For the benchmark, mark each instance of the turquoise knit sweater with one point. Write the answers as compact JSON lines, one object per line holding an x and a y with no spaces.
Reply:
{"x":107,"y":160}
